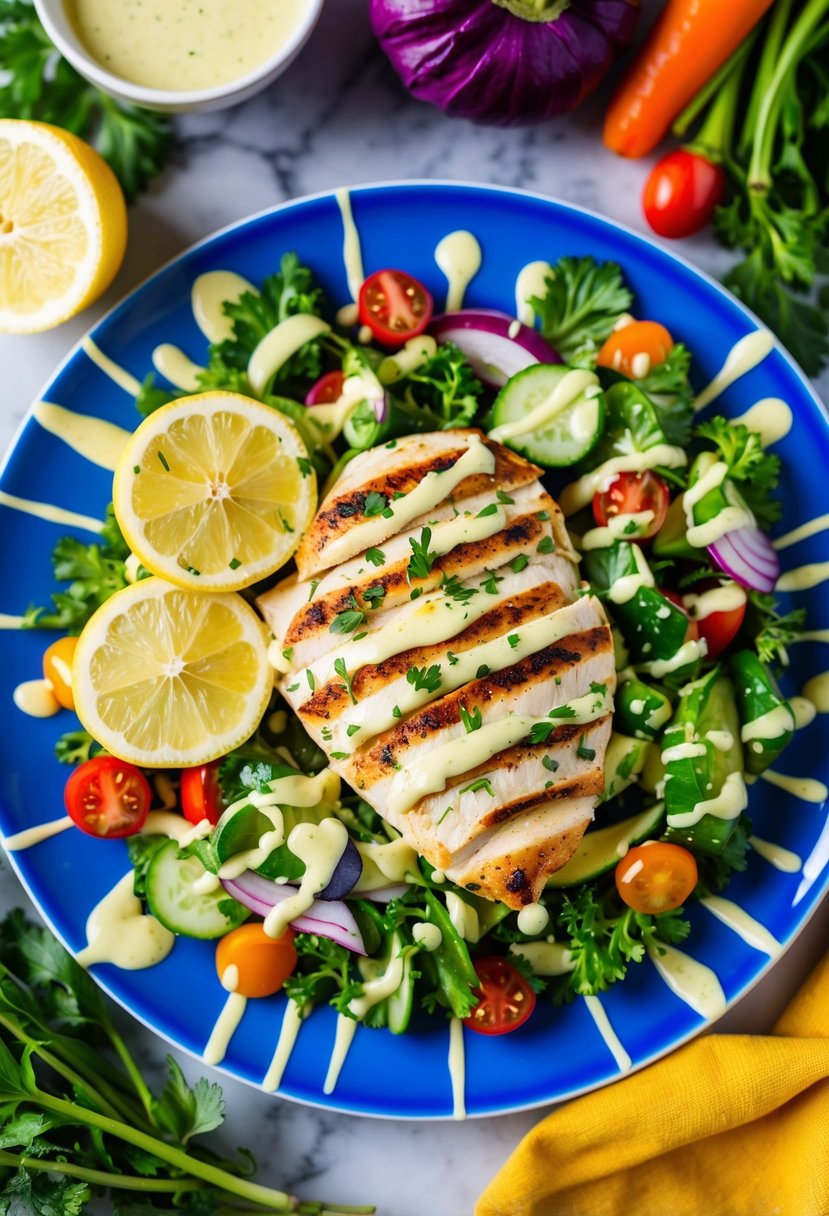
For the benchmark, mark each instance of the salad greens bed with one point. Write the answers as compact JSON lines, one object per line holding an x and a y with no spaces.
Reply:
{"x":77,"y":1118}
{"x":583,"y":306}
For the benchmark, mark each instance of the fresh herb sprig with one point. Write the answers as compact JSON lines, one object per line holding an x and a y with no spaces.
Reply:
{"x":42,"y":86}
{"x":583,"y":301}
{"x":77,"y":1118}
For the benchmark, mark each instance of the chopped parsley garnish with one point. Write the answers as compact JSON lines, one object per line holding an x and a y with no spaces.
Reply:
{"x":550,"y":764}
{"x":598,"y":689}
{"x":375,"y":504}
{"x":545,"y":545}
{"x":490,"y":583}
{"x":584,"y":752}
{"x":541,"y":732}
{"x":374,"y":595}
{"x":163,"y":460}
{"x":422,"y":560}
{"x":504,"y":498}
{"x":339,"y":755}
{"x":416,"y":593}
{"x":471,"y":721}
{"x":453,"y":658}
{"x":349,"y":620}
{"x":342,"y":671}
{"x":490,"y":509}
{"x":482,"y":671}
{"x":309,"y":676}
{"x":327,"y":733}
{"x":314,"y":584}
{"x":352,"y":729}
{"x":482,"y":783}
{"x":286,"y":527}
{"x":443,"y":816}
{"x":519,"y":563}
{"x":376,"y":556}
{"x":396,"y":713}
{"x":304,"y":465}
{"x":455,"y":590}
{"x":288,"y":654}
{"x":542,"y":515}
{"x":513,"y":639}
{"x":234,"y":563}
{"x":292,"y":688}
{"x":425,"y":679}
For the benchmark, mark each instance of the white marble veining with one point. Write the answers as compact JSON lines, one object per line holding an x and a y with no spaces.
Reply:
{"x":340,"y":117}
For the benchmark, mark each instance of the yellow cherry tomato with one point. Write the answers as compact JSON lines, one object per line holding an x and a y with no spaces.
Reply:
{"x":57,"y":669}
{"x":656,"y":876}
{"x":262,"y":963}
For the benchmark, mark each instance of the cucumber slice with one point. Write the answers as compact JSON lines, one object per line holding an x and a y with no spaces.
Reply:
{"x":601,"y":850}
{"x":399,"y":1004}
{"x":568,"y":436}
{"x":172,"y":900}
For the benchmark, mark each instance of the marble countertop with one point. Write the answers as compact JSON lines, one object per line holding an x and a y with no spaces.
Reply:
{"x":339,"y":117}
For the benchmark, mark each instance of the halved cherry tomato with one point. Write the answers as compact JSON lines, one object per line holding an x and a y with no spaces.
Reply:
{"x":681,"y":193}
{"x":636,"y":348}
{"x":327,"y":389}
{"x":720,"y":628}
{"x":656,"y":877}
{"x":57,"y":669}
{"x":262,"y":963}
{"x":395,"y":306}
{"x":693,"y":628}
{"x":201,"y":797}
{"x":630,"y":493}
{"x":507,"y":1000}
{"x":107,"y":797}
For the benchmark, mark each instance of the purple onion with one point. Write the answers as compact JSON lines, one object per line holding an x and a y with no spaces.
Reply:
{"x":349,"y":868}
{"x":326,"y":918}
{"x":747,"y":555}
{"x":384,"y":895}
{"x":485,"y":61}
{"x":496,"y":345}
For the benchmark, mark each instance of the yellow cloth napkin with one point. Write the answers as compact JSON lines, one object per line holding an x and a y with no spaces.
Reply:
{"x":729,"y":1125}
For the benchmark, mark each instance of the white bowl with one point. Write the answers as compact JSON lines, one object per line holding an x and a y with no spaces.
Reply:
{"x":54,"y":20}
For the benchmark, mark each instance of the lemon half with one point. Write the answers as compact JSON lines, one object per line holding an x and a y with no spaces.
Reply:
{"x":214,"y":491}
{"x":167,"y":678}
{"x":63,"y":225}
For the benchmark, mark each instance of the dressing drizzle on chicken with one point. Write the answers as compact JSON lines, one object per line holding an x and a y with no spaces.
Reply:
{"x":436,"y":643}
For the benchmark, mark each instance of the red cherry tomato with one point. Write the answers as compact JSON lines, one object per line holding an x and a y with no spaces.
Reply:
{"x":681,"y":193}
{"x":692,"y":634}
{"x":630,"y":493}
{"x":656,"y":877}
{"x":327,"y":389}
{"x":201,"y":797}
{"x":395,"y":306}
{"x":720,"y":628}
{"x":507,"y":1000}
{"x":108,"y":798}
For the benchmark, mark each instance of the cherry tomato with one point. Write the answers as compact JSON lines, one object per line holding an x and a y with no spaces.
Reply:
{"x":720,"y":628}
{"x":201,"y":797}
{"x":656,"y":876}
{"x":327,"y":389}
{"x":57,"y":669}
{"x":507,"y":1000}
{"x":107,"y":797}
{"x":262,"y":963}
{"x":681,"y":193}
{"x":630,"y":493}
{"x":692,"y":634}
{"x":636,"y":348}
{"x":394,"y":306}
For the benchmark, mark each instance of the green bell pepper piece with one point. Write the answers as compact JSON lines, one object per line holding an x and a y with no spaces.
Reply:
{"x":640,"y":709}
{"x":766,"y":716}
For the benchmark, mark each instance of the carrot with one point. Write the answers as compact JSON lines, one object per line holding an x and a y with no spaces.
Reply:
{"x":688,"y":44}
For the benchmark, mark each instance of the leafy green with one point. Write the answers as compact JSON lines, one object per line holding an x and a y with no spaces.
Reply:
{"x":756,"y":470}
{"x":583,"y":301}
{"x":76,"y":746}
{"x":74,"y":1104}
{"x":715,"y":870}
{"x":323,"y":974}
{"x":41,"y":85}
{"x":445,"y":385}
{"x":770,"y":632}
{"x":94,"y":573}
{"x":669,"y":391}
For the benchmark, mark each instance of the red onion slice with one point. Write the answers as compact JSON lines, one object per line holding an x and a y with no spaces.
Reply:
{"x":747,"y":555}
{"x":496,"y":345}
{"x":329,"y":918}
{"x":384,"y":895}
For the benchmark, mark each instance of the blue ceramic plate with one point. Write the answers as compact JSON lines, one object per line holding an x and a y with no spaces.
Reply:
{"x":560,"y":1053}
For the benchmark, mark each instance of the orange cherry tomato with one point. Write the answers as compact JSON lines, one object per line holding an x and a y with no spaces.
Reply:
{"x":636,"y":348}
{"x":57,"y":669}
{"x":262,"y":963}
{"x":506,"y":999}
{"x":656,"y":877}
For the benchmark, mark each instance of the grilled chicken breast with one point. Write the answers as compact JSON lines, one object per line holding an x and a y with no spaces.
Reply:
{"x":436,"y":643}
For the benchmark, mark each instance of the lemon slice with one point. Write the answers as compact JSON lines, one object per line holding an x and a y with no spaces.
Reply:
{"x":214,"y":491}
{"x":168,"y":678}
{"x":63,"y":226}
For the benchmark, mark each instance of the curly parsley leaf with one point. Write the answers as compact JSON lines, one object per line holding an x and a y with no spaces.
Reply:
{"x":756,"y":470}
{"x":446,"y":385}
{"x":583,"y":301}
{"x":76,"y":746}
{"x":669,"y":391}
{"x":40,"y":85}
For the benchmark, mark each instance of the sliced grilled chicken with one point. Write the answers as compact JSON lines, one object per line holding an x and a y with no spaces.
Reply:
{"x":436,"y":644}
